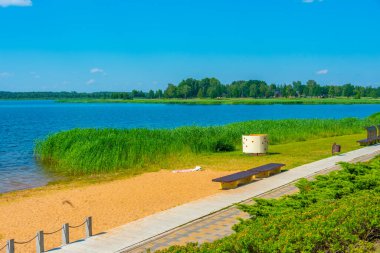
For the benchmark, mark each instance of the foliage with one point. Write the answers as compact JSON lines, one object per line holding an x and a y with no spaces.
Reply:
{"x":213,"y":88}
{"x":89,"y":151}
{"x":339,"y":212}
{"x":61,"y":95}
{"x":375,"y":117}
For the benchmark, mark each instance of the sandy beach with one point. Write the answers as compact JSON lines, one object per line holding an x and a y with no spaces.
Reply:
{"x":111,"y":204}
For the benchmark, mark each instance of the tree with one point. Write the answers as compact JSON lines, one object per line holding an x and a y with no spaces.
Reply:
{"x":158,"y":94}
{"x":134,"y":93}
{"x":312,"y":88}
{"x":289,"y":91}
{"x":347,"y":90}
{"x":358,"y":92}
{"x":203,"y":86}
{"x":233,"y":90}
{"x":298,"y":88}
{"x":373,"y":93}
{"x":331,"y":91}
{"x":151,"y":94}
{"x":253,"y":91}
{"x":200,"y":93}
{"x":171,"y":91}
{"x":267,"y":91}
{"x":183,"y":90}
{"x":214,"y":89}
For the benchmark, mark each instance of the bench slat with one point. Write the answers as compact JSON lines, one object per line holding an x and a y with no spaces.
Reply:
{"x":247,"y":173}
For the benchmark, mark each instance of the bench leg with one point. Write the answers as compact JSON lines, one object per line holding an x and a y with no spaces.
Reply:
{"x":263,"y":174}
{"x":229,"y":185}
{"x":275,"y":171}
{"x":245,"y":180}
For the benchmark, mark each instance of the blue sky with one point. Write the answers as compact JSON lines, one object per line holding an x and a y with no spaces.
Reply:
{"x":119,"y":45}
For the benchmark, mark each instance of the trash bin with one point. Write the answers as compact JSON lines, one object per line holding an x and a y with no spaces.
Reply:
{"x":255,"y":144}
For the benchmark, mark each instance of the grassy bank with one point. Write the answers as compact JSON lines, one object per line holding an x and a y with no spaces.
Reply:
{"x":339,"y":212}
{"x":232,"y":101}
{"x":92,"y":151}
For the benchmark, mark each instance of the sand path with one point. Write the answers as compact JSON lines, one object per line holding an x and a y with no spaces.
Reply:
{"x":111,"y":204}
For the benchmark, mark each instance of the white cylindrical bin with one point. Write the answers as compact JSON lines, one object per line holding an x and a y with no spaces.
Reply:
{"x":255,"y":144}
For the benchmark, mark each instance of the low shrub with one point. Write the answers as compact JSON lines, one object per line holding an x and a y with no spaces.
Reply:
{"x":339,"y":212}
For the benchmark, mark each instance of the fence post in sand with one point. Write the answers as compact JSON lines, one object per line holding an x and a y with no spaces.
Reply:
{"x":40,"y":247}
{"x":65,"y":234}
{"x":11,"y":246}
{"x":88,"y":227}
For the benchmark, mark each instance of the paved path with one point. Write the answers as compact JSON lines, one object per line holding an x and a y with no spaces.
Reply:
{"x":203,"y":220}
{"x":219,"y":225}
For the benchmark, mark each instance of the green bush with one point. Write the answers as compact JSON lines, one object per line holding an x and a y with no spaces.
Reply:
{"x":339,"y":212}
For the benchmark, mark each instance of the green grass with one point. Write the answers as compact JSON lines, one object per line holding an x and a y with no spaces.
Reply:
{"x":232,"y":101}
{"x":339,"y":212}
{"x":95,"y":151}
{"x":292,"y":154}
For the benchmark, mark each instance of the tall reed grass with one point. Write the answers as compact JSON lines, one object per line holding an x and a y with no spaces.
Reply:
{"x":92,"y":151}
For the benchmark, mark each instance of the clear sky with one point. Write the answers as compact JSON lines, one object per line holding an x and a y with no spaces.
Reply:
{"x":119,"y":45}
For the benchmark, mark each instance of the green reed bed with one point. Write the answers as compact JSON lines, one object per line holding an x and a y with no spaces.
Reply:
{"x":91,"y":151}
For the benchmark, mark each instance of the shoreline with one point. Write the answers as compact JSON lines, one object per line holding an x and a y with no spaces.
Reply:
{"x":215,"y":101}
{"x":176,"y":161}
{"x":214,"y":161}
{"x":231,"y":101}
{"x":122,"y":200}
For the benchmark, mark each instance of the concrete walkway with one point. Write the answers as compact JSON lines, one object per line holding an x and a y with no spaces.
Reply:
{"x":133,"y":234}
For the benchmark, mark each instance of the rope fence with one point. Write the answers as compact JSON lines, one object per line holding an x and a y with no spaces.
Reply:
{"x":78,"y":225}
{"x":26,"y":242}
{"x":39,"y":237}
{"x":52,"y":233}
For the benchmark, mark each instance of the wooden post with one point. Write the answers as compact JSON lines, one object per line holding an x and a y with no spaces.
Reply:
{"x":88,"y":227}
{"x":65,"y":234}
{"x":40,"y":247}
{"x":335,"y":149}
{"x":11,"y":246}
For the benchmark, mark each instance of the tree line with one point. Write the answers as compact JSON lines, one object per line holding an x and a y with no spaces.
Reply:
{"x":53,"y":95}
{"x":213,"y":88}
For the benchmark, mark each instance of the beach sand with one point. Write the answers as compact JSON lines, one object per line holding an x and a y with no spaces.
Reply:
{"x":111,"y":204}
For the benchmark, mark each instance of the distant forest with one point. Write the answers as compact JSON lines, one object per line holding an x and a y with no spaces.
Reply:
{"x":213,"y":88}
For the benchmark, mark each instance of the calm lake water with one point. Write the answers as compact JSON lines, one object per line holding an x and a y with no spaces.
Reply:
{"x":23,"y":122}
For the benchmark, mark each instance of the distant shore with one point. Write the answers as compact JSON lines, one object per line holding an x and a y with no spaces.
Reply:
{"x":230,"y":101}
{"x":216,"y":101}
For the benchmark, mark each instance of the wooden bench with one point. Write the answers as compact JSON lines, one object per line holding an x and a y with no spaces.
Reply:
{"x":372,"y":136}
{"x":243,"y":177}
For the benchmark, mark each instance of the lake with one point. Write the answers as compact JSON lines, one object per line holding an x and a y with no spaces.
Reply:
{"x":23,"y":122}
